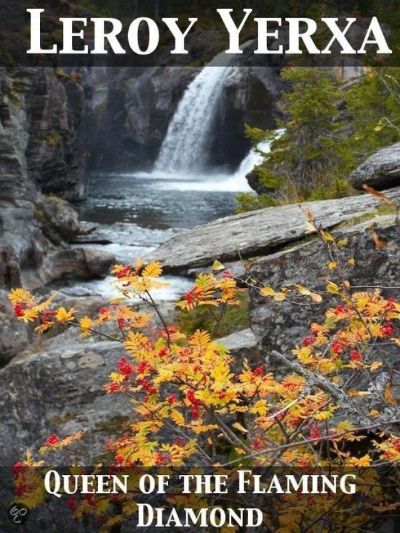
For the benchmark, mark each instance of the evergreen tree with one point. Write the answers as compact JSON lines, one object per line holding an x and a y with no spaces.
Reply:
{"x":329,"y":128}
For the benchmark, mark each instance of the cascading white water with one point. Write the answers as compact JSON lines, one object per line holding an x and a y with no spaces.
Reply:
{"x":188,"y":135}
{"x":224,"y":182}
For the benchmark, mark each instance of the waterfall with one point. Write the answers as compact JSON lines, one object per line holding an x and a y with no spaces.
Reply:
{"x":188,"y":136}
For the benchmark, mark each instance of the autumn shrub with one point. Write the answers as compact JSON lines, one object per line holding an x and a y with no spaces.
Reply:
{"x":334,"y":406}
{"x":227,"y":320}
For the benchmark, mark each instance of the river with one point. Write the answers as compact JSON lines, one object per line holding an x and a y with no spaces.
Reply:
{"x":134,"y":212}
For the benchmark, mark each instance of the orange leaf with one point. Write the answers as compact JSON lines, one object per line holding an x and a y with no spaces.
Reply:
{"x":378,"y":194}
{"x":389,"y":398}
{"x":379,"y":243}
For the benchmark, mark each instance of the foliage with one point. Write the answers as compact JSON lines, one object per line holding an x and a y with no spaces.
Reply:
{"x":374,"y":104}
{"x":191,"y":407}
{"x":228,"y":320}
{"x":329,"y":128}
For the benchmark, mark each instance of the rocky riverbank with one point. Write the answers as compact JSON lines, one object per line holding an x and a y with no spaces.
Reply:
{"x":53,"y":384}
{"x":58,"y":380}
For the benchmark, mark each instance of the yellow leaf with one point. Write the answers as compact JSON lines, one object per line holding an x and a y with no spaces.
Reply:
{"x":362,"y":462}
{"x":332,"y":288}
{"x":310,"y":228}
{"x":332,"y":265}
{"x":267,"y":291}
{"x":323,"y":415}
{"x":376,"y":366}
{"x":139,"y":264}
{"x":30,"y":315}
{"x":303,"y":291}
{"x":85,"y":324}
{"x":327,"y":236}
{"x":303,"y":354}
{"x":152,"y":270}
{"x":177,"y":417}
{"x":239,"y":427}
{"x":115,"y":377}
{"x":200,"y":339}
{"x":279,"y":296}
{"x":217,"y":266}
{"x":20,"y":296}
{"x":316,"y":297}
{"x":62,"y":315}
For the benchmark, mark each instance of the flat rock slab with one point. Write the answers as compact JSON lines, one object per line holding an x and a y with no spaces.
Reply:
{"x":258,"y":232}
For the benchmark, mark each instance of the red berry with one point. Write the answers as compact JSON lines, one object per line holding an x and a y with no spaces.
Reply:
{"x":19,"y":310}
{"x":52,"y":440}
{"x":387,"y":329}
{"x":356,"y":356}
{"x":18,"y":467}
{"x":258,"y":372}
{"x":171,"y":399}
{"x":124,"y":367}
{"x":307,"y":341}
{"x":337,"y":347}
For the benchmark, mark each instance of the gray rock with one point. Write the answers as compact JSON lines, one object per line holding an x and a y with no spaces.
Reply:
{"x":22,"y":240}
{"x":60,"y":215}
{"x":257,"y":233}
{"x":242,"y":345}
{"x":14,"y":336}
{"x":39,"y":119}
{"x":380,"y":171}
{"x":282,"y":325}
{"x":77,"y":263}
{"x":58,"y":390}
{"x":56,"y":159}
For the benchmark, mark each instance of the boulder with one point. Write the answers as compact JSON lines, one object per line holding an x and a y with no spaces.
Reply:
{"x":258,"y":233}
{"x":282,"y":325}
{"x":58,"y":389}
{"x":380,"y":171}
{"x":76,"y":263}
{"x":242,"y":345}
{"x":60,"y":215}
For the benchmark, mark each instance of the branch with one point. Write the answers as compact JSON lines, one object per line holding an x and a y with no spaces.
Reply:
{"x":344,"y":400}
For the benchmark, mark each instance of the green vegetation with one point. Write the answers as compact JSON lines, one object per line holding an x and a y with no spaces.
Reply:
{"x":233,"y":319}
{"x":329,"y":128}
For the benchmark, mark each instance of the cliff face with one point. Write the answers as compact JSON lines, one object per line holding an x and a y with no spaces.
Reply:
{"x":130,"y":112}
{"x":132,"y":108}
{"x":20,"y":236}
{"x":51,"y":120}
{"x":39,"y":119}
{"x":55,"y":107}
